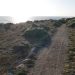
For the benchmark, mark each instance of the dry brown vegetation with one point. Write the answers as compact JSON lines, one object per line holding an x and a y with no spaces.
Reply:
{"x":11,"y":38}
{"x":69,"y":68}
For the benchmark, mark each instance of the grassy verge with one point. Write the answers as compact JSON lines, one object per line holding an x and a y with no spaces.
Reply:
{"x":69,"y":67}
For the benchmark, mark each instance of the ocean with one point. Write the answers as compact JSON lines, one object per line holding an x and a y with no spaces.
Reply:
{"x":8,"y":19}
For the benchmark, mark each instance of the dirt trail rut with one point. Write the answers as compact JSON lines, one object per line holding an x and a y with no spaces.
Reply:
{"x":51,"y":60}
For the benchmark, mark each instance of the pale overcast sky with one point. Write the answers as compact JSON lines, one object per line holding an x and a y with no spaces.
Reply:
{"x":27,"y":8}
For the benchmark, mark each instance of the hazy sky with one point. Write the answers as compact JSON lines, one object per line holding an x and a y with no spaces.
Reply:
{"x":26,"y":8}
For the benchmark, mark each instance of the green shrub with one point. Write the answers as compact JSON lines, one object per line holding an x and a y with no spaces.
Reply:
{"x":37,"y":36}
{"x":72,"y":25}
{"x":22,"y":51}
{"x":72,"y":49}
{"x":30,"y":63}
{"x":21,"y":72}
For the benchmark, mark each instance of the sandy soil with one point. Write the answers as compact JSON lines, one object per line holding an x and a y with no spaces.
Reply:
{"x":51,"y":60}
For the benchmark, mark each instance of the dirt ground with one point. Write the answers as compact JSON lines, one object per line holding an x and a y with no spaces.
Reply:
{"x":51,"y":60}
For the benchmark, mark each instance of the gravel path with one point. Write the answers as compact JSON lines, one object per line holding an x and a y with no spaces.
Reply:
{"x":51,"y":60}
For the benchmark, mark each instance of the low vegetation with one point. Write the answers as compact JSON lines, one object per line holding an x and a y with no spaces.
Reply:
{"x":37,"y":36}
{"x":17,"y":41}
{"x":69,"y":68}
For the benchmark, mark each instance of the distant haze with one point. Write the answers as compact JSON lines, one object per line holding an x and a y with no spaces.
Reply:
{"x":7,"y":19}
{"x":47,"y":17}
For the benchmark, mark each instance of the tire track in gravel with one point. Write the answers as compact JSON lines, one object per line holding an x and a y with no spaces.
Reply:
{"x":51,"y":60}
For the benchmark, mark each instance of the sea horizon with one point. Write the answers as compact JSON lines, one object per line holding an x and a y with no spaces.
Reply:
{"x":9,"y":19}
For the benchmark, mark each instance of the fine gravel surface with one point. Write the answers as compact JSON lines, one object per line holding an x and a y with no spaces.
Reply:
{"x":51,"y":60}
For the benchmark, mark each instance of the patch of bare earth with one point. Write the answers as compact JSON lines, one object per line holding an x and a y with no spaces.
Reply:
{"x":51,"y":60}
